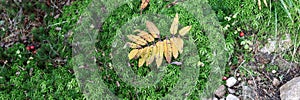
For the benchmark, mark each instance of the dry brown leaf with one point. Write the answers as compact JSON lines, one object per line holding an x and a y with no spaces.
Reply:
{"x":174,"y":47}
{"x":174,"y":26}
{"x":145,"y":35}
{"x":152,"y":29}
{"x":184,"y":30}
{"x":137,"y":39}
{"x":144,"y":4}
{"x":179,"y":44}
{"x":133,"y":45}
{"x":160,"y":54}
{"x":133,"y":53}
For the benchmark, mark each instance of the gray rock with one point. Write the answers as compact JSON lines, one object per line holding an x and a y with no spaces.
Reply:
{"x":220,"y":92}
{"x":291,"y":90}
{"x":232,"y":91}
{"x":215,"y":98}
{"x":231,"y":82}
{"x":247,"y":93}
{"x":232,"y":97}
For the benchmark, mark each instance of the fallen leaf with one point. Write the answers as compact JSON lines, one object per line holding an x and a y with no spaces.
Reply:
{"x":133,"y":45}
{"x":144,"y":56}
{"x":174,"y":47}
{"x":174,"y":25}
{"x":145,"y":35}
{"x":151,"y":55}
{"x":179,"y":44}
{"x":132,"y":53}
{"x":159,"y":58}
{"x":167,"y":50}
{"x":137,"y":39}
{"x":152,"y":29}
{"x":144,"y":5}
{"x":184,"y":30}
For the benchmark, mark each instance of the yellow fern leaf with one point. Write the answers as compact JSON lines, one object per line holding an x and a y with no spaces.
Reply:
{"x":152,"y":29}
{"x":137,"y":39}
{"x":174,"y":25}
{"x":174,"y":47}
{"x":184,"y":30}
{"x":133,"y":53}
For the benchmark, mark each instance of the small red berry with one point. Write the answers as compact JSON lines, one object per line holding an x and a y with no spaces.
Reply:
{"x":224,"y":78}
{"x":242,"y":34}
{"x":34,"y":52}
{"x":28,"y":48}
{"x":32,"y":47}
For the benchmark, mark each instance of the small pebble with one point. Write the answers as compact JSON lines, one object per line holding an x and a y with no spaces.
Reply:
{"x":232,"y":97}
{"x":231,"y":82}
{"x":220,"y":92}
{"x":273,"y":71}
{"x":276,"y":82}
{"x":239,"y":79}
{"x":58,"y":28}
{"x":232,"y":91}
{"x":250,"y":82}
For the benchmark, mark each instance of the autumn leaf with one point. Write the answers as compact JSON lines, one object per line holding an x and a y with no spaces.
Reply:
{"x":133,"y":53}
{"x":133,"y":45}
{"x":139,"y":53}
{"x":174,"y":25}
{"x":164,"y":48}
{"x":151,"y":55}
{"x":179,"y":44}
{"x":144,"y":56}
{"x":137,"y":39}
{"x":167,"y":50}
{"x":174,"y":47}
{"x":152,"y":29}
{"x":160,"y":52}
{"x":145,"y":35}
{"x":144,"y":5}
{"x":184,"y":30}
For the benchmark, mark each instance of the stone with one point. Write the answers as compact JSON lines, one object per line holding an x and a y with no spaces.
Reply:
{"x":232,"y":91}
{"x":274,"y":71}
{"x":246,"y":90}
{"x":232,"y":97}
{"x":231,"y":82}
{"x":220,"y":92}
{"x":269,"y":47}
{"x":291,"y":90}
{"x":276,"y":82}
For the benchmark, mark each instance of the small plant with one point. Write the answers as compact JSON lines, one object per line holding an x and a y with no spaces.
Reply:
{"x":168,"y":47}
